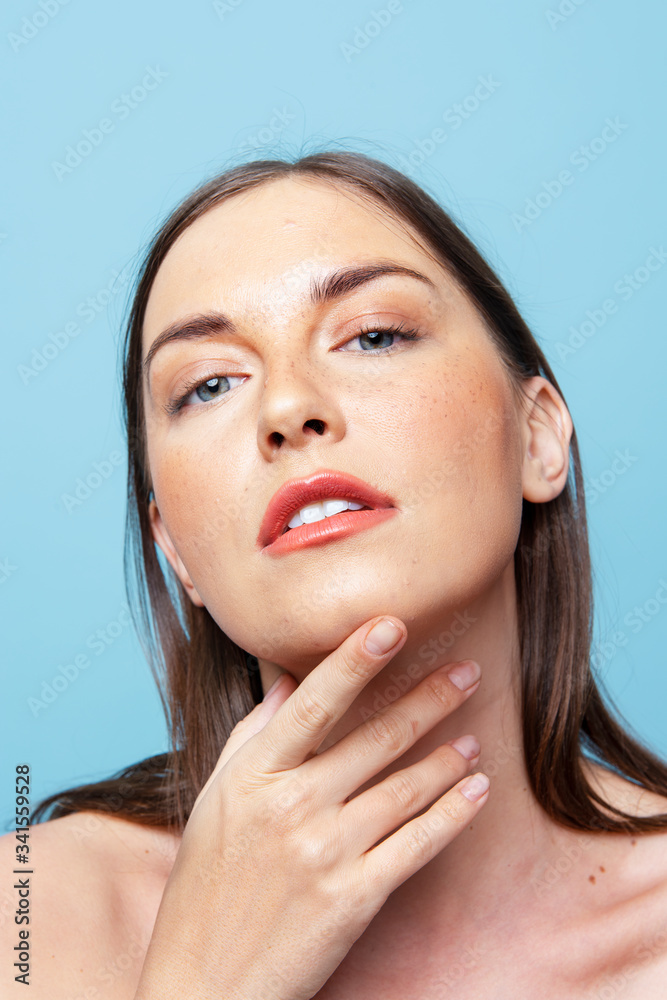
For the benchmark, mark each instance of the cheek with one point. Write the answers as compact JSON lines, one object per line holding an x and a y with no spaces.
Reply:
{"x":201,"y":510}
{"x":460,"y":433}
{"x":463,"y":481}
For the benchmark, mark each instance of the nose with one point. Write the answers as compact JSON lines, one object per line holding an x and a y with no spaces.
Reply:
{"x":296,"y":408}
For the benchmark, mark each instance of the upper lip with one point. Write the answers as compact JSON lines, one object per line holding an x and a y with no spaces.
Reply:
{"x":325,"y":483}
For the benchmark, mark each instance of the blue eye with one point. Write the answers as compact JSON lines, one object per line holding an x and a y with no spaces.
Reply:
{"x":212,"y":388}
{"x":209,"y":389}
{"x":375,"y":337}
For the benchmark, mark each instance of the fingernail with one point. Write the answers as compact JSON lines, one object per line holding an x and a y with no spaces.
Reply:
{"x":464,"y":675}
{"x":468,"y":746}
{"x":475,"y":787}
{"x":273,"y":687}
{"x":382,"y":637}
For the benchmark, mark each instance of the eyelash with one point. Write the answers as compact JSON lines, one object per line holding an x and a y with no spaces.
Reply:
{"x":178,"y":403}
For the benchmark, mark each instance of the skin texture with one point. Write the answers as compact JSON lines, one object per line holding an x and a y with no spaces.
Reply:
{"x":394,"y":420}
{"x":515,"y":906}
{"x":439,"y":409}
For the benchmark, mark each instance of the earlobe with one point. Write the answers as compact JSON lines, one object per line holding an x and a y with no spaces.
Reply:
{"x":161,"y":536}
{"x":547,"y":432}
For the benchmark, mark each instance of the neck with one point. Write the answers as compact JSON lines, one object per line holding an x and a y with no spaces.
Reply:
{"x":512,"y":834}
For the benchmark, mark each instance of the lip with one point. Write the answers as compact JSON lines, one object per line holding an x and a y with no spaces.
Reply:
{"x":321,"y":485}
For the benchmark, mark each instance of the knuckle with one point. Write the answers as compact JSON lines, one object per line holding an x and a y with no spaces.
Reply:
{"x":287,"y":810}
{"x":389,"y":731}
{"x":296,"y":795}
{"x":404,"y":790}
{"x":314,"y":852}
{"x":419,"y":841}
{"x":355,"y":664}
{"x":309,"y":715}
{"x":438,"y":689}
{"x":238,"y":779}
{"x":451,"y":809}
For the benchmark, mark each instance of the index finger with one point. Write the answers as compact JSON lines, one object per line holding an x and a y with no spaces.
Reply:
{"x":306,"y":717}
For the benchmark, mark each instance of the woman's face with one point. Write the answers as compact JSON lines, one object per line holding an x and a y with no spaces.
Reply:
{"x":431,"y":422}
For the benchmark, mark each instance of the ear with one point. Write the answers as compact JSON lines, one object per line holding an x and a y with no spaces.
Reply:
{"x":547,"y":429}
{"x":161,"y":536}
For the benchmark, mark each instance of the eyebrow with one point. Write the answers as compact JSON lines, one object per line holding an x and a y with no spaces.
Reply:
{"x":332,"y":286}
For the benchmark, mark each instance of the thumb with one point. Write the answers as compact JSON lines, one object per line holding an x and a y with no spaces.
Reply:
{"x":255,"y":721}
{"x":252,"y":723}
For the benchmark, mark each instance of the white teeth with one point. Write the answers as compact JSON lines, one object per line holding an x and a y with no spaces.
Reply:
{"x":333,"y":507}
{"x":317,"y":511}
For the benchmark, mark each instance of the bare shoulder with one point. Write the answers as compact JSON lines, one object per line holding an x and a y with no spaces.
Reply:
{"x":94,"y":888}
{"x":646,"y":852}
{"x":639,"y":897}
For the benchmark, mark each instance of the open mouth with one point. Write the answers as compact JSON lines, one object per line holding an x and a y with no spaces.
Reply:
{"x":324,"y":530}
{"x":320,"y":511}
{"x":326,"y":505}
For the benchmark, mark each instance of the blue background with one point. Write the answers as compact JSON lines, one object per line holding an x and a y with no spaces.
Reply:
{"x":254,"y":78}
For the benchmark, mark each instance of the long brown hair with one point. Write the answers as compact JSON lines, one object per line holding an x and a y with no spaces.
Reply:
{"x":208,"y":684}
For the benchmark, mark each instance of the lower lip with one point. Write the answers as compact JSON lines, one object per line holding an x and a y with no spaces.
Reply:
{"x":329,"y":529}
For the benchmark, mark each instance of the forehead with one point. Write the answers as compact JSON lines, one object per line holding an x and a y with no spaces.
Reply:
{"x":271,"y":240}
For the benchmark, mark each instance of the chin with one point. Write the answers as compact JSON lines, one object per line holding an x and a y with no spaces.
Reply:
{"x":424,"y":580}
{"x":298,"y":635}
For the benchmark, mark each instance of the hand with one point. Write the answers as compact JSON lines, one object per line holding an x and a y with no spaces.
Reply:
{"x":282,"y":867}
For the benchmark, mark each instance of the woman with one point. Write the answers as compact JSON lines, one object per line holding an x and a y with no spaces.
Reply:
{"x":341,"y":839}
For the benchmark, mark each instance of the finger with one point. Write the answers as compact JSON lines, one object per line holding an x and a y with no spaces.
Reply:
{"x":322,"y":697}
{"x":392,"y":730}
{"x":252,"y":723}
{"x":412,"y":846}
{"x":379,"y":810}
